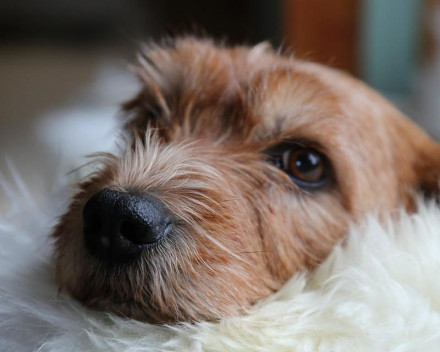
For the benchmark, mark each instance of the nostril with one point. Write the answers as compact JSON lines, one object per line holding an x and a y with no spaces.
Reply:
{"x":93,"y":223}
{"x":127,"y":228}
{"x":139,"y":233}
{"x":130,"y":230}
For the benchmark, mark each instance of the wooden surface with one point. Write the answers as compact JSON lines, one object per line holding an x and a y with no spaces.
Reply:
{"x":323,"y":30}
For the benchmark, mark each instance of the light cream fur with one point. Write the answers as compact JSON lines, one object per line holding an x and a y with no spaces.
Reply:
{"x":379,"y":292}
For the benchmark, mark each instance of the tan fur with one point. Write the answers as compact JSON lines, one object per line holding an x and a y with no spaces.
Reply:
{"x":197,"y":134}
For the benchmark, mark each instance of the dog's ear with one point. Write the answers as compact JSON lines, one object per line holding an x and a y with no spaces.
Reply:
{"x":427,"y":168}
{"x":424,"y":155}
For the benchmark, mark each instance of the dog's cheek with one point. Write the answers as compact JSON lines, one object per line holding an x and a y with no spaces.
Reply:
{"x":68,"y":252}
{"x":300,"y":230}
{"x":72,"y":264}
{"x":234,"y":275}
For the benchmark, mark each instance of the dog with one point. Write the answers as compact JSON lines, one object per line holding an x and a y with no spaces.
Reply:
{"x":240,"y":168}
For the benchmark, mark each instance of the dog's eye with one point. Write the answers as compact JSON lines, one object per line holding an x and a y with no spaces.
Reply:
{"x":307,"y":167}
{"x":304,"y":164}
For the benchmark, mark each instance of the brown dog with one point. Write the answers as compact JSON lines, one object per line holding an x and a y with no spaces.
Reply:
{"x":242,"y":167}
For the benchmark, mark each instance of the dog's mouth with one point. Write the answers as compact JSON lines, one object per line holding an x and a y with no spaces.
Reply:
{"x":132,"y":280}
{"x":128,"y":308}
{"x":141,"y":291}
{"x":123,"y":289}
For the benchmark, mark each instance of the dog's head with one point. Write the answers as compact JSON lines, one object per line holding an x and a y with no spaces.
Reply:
{"x":241,"y":168}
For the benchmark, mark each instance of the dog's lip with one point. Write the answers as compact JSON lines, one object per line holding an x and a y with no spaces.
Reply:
{"x":122,"y":308}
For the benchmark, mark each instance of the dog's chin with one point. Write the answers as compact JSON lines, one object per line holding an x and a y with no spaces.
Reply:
{"x":104,"y":296}
{"x":125,"y":309}
{"x":130,"y":290}
{"x":130,"y":308}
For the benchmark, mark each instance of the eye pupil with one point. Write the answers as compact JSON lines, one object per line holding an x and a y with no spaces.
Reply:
{"x":306,"y":165}
{"x":306,"y":162}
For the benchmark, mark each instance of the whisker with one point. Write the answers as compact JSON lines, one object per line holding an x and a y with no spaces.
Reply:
{"x":229,"y":200}
{"x":251,"y":252}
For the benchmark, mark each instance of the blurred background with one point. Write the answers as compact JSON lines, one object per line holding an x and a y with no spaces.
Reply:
{"x":63,"y":64}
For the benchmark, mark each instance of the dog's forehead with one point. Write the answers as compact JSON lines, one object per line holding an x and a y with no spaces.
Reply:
{"x":250,"y":93}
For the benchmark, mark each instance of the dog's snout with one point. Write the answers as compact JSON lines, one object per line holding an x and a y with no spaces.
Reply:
{"x":118,"y":226}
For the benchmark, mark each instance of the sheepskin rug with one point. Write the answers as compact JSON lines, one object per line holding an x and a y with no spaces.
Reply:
{"x":379,"y":291}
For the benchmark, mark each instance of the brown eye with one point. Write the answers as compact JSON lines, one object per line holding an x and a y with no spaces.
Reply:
{"x":306,"y":165}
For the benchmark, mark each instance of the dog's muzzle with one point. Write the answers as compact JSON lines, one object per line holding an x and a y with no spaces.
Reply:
{"x":119,"y":226}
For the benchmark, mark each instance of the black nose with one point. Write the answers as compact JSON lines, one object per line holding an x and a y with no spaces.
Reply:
{"x":119,"y":226}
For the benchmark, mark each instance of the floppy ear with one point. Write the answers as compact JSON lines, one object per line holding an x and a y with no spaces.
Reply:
{"x":416,"y":158}
{"x":424,"y":154}
{"x":427,"y":167}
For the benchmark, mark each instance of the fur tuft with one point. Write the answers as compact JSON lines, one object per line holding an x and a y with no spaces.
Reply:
{"x":378,"y":292}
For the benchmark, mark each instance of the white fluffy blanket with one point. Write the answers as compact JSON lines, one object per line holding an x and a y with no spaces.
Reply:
{"x":378,"y":292}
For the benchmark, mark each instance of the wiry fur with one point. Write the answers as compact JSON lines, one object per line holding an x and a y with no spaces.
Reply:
{"x":377,"y":292}
{"x":199,"y":131}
